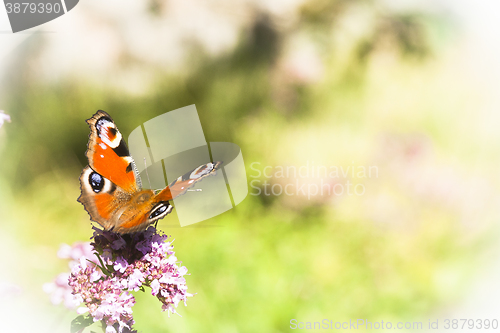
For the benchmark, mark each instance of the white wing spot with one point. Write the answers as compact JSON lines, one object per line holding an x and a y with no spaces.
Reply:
{"x":102,"y":156}
{"x":189,"y":182}
{"x":104,"y":135}
{"x":103,"y":146}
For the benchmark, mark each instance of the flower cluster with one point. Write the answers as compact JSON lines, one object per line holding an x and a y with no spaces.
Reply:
{"x":103,"y":280}
{"x":59,"y":290}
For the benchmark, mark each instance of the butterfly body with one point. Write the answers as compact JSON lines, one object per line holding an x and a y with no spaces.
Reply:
{"x":111,"y":187}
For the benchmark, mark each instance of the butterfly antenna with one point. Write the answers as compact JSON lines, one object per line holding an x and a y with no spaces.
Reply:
{"x":196,"y":190}
{"x":147,"y":174}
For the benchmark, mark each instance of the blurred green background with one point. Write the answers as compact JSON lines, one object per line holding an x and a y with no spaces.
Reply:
{"x":294,"y":83}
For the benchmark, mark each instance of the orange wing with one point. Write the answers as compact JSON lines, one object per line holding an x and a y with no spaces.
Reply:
{"x":183,"y":183}
{"x":110,"y":186}
{"x":156,"y":207}
{"x":108,"y":154}
{"x":100,"y":197}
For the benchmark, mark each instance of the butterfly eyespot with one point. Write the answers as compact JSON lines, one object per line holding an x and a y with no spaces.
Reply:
{"x":160,"y":209}
{"x":96,"y":181}
{"x":109,"y":134}
{"x":103,"y":121}
{"x":111,"y":186}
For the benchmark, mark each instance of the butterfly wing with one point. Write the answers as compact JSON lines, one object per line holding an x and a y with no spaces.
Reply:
{"x":100,"y":197}
{"x":110,"y":180}
{"x":116,"y":210}
{"x":108,"y":154}
{"x":110,"y":185}
{"x":183,"y":183}
{"x":139,"y":217}
{"x":148,"y":207}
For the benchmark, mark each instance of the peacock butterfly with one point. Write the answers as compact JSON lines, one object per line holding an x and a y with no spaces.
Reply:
{"x":111,"y":186}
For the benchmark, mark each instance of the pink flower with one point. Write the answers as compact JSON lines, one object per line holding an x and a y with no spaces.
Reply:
{"x":124,"y":263}
{"x":120,"y":265}
{"x":135,"y":280}
{"x":155,"y":287}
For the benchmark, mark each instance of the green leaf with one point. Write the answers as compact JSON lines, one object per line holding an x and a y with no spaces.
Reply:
{"x":103,"y":267}
{"x":92,"y":262}
{"x":80,"y":322}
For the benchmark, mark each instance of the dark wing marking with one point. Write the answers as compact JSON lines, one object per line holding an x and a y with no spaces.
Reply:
{"x":108,"y":154}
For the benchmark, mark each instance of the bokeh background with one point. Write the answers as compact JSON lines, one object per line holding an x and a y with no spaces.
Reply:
{"x":409,"y":87}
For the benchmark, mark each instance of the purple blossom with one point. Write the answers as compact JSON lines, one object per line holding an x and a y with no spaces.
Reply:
{"x":135,"y":280}
{"x":118,"y":265}
{"x":118,"y":244}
